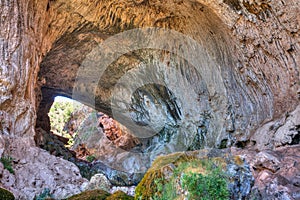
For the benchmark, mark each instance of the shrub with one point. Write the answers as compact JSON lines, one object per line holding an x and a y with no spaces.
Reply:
{"x":7,"y":163}
{"x":90,"y":158}
{"x":5,"y":194}
{"x":206,"y":187}
{"x":59,"y":114}
{"x":179,"y":175}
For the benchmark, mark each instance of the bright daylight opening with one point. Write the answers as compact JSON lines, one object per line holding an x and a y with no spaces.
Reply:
{"x":83,"y":130}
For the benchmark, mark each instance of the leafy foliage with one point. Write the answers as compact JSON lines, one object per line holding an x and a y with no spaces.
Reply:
{"x":90,"y":158}
{"x":206,"y":187}
{"x":7,"y":163}
{"x":59,"y":114}
{"x":184,"y":177}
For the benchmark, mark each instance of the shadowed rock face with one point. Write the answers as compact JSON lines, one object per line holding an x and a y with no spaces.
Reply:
{"x":244,"y":73}
{"x":253,"y":44}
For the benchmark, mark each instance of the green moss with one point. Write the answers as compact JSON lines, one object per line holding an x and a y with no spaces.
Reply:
{"x":91,"y":195}
{"x":7,"y":163}
{"x":147,"y":187}
{"x":169,"y":175}
{"x":5,"y":194}
{"x":119,"y":195}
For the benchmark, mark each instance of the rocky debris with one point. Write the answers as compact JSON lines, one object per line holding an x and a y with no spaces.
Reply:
{"x":116,"y":176}
{"x":54,"y":144}
{"x":127,"y":190}
{"x":117,"y":133}
{"x":99,"y":181}
{"x":280,"y":132}
{"x":276,"y":172}
{"x":97,"y":127}
{"x":82,"y":152}
{"x":36,"y":170}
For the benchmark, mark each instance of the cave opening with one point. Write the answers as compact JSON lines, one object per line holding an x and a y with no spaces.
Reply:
{"x":175,"y":88}
{"x":76,"y":131}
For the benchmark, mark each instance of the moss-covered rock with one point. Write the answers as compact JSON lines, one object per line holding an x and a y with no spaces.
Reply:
{"x":204,"y":174}
{"x":5,"y":194}
{"x":101,"y":195}
{"x":119,"y":195}
{"x":91,"y":195}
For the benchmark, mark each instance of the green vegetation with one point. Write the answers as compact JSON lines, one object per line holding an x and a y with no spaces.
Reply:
{"x":101,"y":195}
{"x":7,"y":163}
{"x":44,"y":195}
{"x":90,"y":158}
{"x":91,"y":195}
{"x":177,"y":176}
{"x":206,"y":187}
{"x":119,"y":195}
{"x":59,"y":114}
{"x":5,"y":194}
{"x":165,"y":189}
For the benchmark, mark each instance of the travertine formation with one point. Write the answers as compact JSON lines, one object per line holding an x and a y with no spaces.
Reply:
{"x":216,"y":72}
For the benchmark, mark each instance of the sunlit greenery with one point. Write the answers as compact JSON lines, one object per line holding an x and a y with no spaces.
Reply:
{"x":206,"y":187}
{"x":187,"y":178}
{"x":59,"y":114}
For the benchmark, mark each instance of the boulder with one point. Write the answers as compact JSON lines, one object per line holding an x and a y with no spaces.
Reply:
{"x":36,"y":170}
{"x":99,"y":181}
{"x":172,"y":176}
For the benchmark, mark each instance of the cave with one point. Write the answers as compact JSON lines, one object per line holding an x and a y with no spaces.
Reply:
{"x":176,"y":87}
{"x":176,"y":76}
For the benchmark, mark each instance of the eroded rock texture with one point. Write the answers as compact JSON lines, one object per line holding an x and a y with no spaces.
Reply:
{"x":276,"y":172}
{"x":237,"y":69}
{"x":34,"y":170}
{"x":244,"y":71}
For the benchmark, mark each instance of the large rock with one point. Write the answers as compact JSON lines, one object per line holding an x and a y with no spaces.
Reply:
{"x":36,"y":170}
{"x":276,"y":172}
{"x":99,"y":181}
{"x":280,"y":132}
{"x":165,"y":178}
{"x":216,"y":97}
